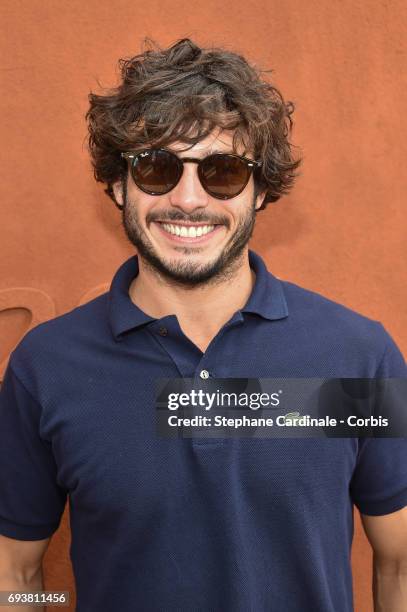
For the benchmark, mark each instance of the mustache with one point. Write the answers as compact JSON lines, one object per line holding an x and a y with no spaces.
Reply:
{"x":176,"y":215}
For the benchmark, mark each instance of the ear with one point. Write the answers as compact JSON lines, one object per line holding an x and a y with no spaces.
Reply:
{"x":118,"y":192}
{"x":259,"y":199}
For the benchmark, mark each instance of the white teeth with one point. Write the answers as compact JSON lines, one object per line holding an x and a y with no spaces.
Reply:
{"x":188,"y":232}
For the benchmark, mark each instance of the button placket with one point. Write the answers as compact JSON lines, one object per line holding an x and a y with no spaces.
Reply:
{"x":204,"y":374}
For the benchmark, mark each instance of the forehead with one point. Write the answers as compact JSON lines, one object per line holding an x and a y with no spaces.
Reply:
{"x":217,"y":141}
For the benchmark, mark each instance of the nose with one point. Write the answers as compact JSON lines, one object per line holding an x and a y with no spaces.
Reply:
{"x":189,"y":194}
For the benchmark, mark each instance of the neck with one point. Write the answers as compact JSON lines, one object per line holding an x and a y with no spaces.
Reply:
{"x":205,"y":308}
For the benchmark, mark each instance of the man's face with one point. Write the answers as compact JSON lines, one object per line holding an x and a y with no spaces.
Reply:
{"x":187,"y":260}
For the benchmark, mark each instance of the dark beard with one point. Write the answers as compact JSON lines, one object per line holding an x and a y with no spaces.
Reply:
{"x":189,"y":274}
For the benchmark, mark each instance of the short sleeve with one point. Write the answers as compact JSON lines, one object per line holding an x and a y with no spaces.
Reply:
{"x":31,"y":502}
{"x":392,"y":363}
{"x":379,"y":482}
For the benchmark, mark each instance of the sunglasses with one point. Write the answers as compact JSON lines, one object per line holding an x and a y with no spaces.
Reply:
{"x":222,"y":175}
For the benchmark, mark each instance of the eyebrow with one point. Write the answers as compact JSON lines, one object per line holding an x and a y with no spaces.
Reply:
{"x":213,"y":152}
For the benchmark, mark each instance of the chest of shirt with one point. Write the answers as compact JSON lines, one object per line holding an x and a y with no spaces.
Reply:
{"x":113,"y":462}
{"x":100,"y":419}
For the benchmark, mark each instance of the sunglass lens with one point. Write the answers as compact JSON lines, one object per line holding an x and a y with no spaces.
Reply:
{"x":224,"y":176}
{"x":156,"y":171}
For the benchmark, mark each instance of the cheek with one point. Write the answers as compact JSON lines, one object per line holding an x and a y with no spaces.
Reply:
{"x":140,"y":202}
{"x":242,"y":207}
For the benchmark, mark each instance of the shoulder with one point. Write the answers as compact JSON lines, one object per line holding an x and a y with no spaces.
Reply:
{"x":57,"y":342}
{"x":342,"y":330}
{"x":312,"y":307}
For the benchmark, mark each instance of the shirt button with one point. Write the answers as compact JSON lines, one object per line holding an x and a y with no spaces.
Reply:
{"x":163,"y":331}
{"x":204,"y":374}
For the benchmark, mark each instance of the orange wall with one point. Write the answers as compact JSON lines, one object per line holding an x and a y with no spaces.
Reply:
{"x":341,"y":232}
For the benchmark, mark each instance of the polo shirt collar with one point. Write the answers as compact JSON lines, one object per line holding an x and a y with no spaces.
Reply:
{"x":267,"y":298}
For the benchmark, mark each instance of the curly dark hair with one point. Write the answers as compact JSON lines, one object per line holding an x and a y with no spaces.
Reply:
{"x":183,"y":93}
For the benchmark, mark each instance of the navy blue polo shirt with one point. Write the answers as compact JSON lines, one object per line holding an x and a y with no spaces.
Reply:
{"x":228,"y":525}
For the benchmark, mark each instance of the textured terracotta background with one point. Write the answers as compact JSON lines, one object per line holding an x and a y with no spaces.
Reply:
{"x":341,"y":232}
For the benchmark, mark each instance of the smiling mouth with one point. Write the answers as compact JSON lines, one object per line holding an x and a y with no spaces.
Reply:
{"x":190,"y":230}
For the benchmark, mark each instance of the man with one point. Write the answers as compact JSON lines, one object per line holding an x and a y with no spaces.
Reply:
{"x":192,"y":145}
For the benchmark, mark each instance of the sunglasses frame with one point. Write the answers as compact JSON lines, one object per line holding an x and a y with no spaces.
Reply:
{"x":250,"y":163}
